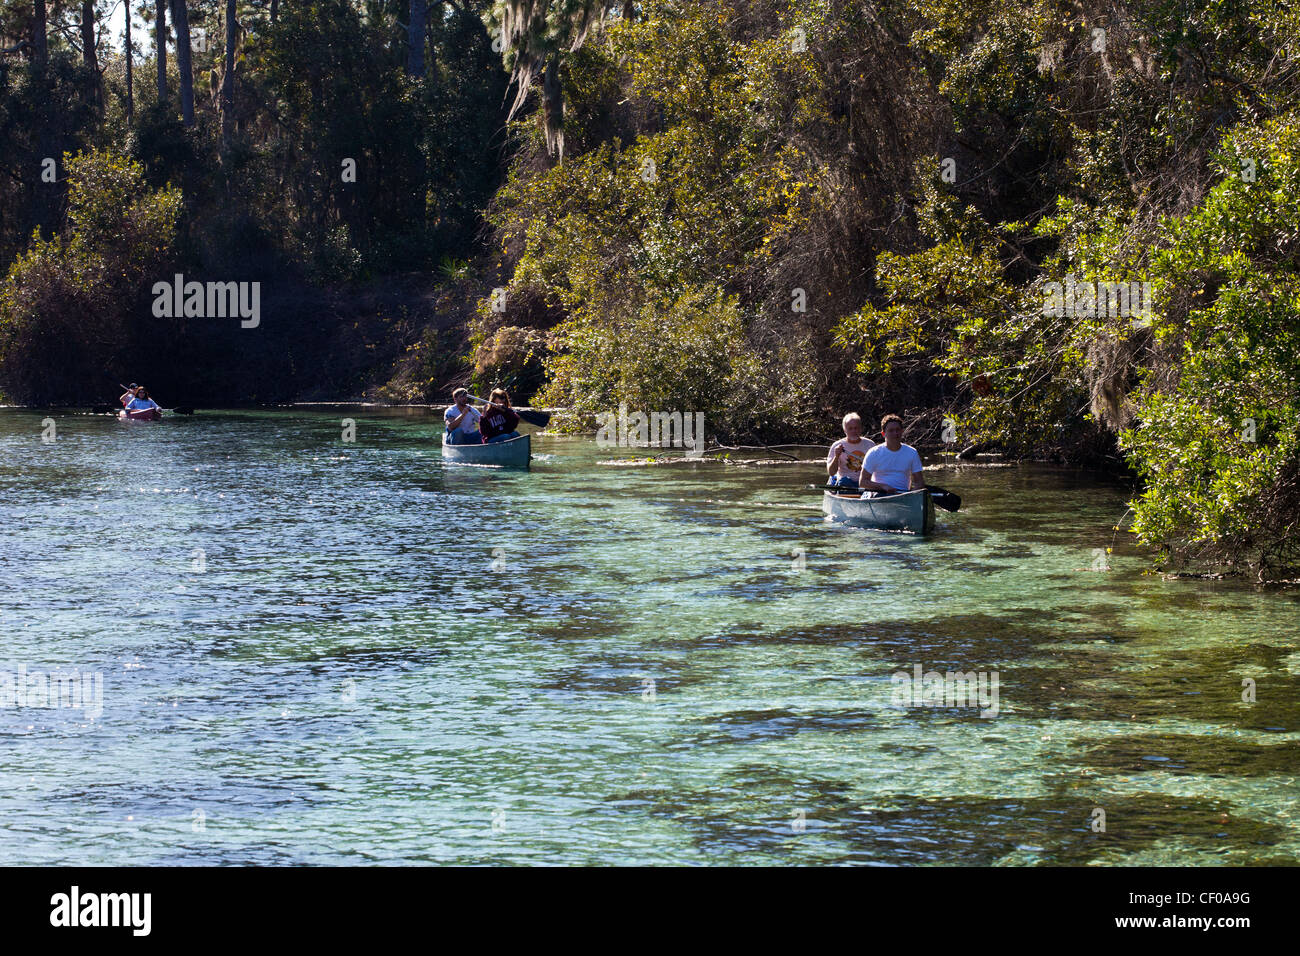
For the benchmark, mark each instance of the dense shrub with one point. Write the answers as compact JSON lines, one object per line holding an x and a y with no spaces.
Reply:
{"x":686,"y":353}
{"x":71,"y":305}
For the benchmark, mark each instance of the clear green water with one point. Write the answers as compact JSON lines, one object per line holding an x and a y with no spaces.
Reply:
{"x":347,"y":681}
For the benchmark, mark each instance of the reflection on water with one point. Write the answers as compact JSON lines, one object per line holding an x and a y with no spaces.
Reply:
{"x":325,"y":652}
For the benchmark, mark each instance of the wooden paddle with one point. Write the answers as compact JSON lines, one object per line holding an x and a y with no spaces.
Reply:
{"x":942,"y":497}
{"x":540,"y":419}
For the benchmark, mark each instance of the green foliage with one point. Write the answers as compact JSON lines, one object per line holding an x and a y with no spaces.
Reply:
{"x":270,"y":202}
{"x":1218,"y":437}
{"x":70,"y":303}
{"x":686,"y":206}
{"x":951,"y":308}
{"x":1120,"y":118}
{"x":931,"y":298}
{"x":442,"y":358}
{"x":628,"y":236}
{"x":418,"y":167}
{"x":512,"y":358}
{"x":673,"y":353}
{"x":534,"y":38}
{"x":43,"y":114}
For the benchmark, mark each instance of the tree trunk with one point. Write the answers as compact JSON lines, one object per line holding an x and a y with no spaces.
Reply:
{"x":88,"y":35}
{"x":415,"y":39}
{"x":275,"y":9}
{"x":39,"y":50}
{"x":88,"y":56}
{"x":44,"y":201}
{"x":228,"y":77}
{"x":181,"y":26}
{"x":130,"y":91}
{"x":553,"y":108}
{"x":160,"y":46}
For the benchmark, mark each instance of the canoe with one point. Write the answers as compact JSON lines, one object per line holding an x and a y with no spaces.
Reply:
{"x":911,"y":511}
{"x":140,"y":415}
{"x":502,"y":454}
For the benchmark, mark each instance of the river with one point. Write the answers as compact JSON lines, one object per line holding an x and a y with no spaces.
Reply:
{"x":329,"y":652}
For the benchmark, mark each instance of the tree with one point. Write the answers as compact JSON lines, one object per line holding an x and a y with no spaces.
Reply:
{"x":415,"y":39}
{"x":88,"y":35}
{"x":39,"y":49}
{"x":88,"y":55}
{"x":228,"y":78}
{"x":536,"y":34}
{"x":70,"y":302}
{"x":181,"y":24}
{"x":130,"y":90}
{"x":1216,"y":425}
{"x":160,"y":46}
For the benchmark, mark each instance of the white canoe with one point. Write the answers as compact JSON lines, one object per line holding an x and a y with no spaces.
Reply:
{"x":911,"y":511}
{"x":502,"y":454}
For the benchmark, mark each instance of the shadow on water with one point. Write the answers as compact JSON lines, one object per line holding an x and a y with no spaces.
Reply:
{"x":960,"y":640}
{"x":757,"y":726}
{"x":1183,"y":755}
{"x":1204,"y":685}
{"x":810,"y":819}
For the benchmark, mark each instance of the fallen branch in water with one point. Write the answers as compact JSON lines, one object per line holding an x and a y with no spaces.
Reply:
{"x":771,"y":448}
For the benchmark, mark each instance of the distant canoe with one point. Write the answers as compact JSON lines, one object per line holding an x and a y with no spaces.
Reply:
{"x":514,"y":453}
{"x":140,"y":415}
{"x":911,"y":511}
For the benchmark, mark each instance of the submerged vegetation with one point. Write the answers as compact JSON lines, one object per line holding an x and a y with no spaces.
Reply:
{"x":1066,"y":229}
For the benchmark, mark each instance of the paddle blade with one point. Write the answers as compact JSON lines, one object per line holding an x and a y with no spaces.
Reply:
{"x":540,"y":419}
{"x":184,"y":410}
{"x":944,"y":499}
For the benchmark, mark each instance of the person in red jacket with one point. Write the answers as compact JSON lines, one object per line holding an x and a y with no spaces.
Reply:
{"x":499,"y":420}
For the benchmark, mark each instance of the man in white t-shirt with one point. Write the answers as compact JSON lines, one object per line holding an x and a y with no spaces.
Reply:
{"x":893,"y":467}
{"x":844,"y":460}
{"x":461,"y":420}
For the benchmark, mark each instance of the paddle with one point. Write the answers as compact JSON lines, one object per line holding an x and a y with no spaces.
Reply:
{"x":113,"y":409}
{"x":540,"y":419}
{"x":942,"y":497}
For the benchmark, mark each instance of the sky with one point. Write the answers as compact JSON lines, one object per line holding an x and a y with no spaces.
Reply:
{"x":116,"y":26}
